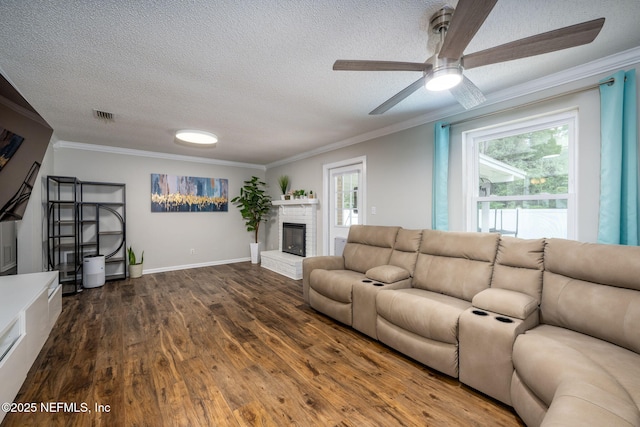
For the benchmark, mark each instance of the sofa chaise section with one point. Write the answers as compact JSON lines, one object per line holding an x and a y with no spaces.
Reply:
{"x":581,"y":365}
{"x":422,"y":322}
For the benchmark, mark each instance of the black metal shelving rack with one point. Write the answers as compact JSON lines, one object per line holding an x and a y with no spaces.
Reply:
{"x":85,"y":218}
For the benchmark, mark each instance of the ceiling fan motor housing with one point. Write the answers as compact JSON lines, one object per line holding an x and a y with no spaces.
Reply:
{"x":441,"y":19}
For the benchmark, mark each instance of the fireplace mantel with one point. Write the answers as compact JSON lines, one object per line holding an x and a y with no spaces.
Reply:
{"x":295,"y":202}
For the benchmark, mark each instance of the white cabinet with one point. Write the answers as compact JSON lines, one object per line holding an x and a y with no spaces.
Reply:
{"x":29,"y":307}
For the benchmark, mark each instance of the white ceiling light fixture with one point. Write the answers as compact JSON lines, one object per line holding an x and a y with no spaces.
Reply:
{"x":196,"y":137}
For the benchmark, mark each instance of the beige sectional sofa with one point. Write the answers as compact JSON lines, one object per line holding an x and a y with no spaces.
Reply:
{"x":548,"y":326}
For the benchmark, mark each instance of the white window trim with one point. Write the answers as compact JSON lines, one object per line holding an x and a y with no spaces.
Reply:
{"x":326,"y":186}
{"x":471,"y":140}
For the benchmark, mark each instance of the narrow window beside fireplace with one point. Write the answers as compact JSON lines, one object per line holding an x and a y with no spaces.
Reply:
{"x":294,"y":238}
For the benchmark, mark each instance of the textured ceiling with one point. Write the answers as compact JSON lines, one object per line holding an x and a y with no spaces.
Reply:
{"x":258,"y":73}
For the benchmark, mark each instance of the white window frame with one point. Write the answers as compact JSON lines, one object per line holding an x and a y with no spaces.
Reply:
{"x":470,"y":144}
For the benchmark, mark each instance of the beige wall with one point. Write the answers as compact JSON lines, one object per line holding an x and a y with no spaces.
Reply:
{"x":166,"y":238}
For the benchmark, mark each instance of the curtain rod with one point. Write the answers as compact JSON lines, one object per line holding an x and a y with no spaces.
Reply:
{"x":528,"y":104}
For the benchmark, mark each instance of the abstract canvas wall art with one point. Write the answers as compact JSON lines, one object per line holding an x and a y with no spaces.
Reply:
{"x":172,"y":193}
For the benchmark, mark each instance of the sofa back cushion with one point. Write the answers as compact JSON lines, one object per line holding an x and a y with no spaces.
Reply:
{"x":593,"y":289}
{"x":519,"y":266}
{"x":405,"y":250}
{"x":458,"y":264}
{"x":368,"y":246}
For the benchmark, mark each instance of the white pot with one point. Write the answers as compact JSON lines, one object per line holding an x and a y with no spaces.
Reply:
{"x":255,"y":252}
{"x":135,"y":271}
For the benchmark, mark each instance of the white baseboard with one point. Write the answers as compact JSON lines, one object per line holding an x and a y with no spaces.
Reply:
{"x":188,"y":266}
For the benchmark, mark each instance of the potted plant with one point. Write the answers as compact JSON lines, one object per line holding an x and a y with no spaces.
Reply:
{"x":254,"y":204}
{"x":135,"y":267}
{"x":283,"y":182}
{"x":312,"y":195}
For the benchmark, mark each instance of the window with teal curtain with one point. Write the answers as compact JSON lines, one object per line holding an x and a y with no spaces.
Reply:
{"x":440,"y":204}
{"x":618,"y":221}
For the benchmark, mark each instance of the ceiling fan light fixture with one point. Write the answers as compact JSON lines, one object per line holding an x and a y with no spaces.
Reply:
{"x":443,"y":78}
{"x":196,"y":137}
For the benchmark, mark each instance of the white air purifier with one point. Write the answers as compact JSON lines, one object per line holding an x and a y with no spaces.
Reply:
{"x":93,"y":271}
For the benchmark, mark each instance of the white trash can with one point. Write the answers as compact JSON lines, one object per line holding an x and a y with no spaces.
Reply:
{"x":93,"y":271}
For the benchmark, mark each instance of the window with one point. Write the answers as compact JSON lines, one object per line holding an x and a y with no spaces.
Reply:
{"x":346,"y":194}
{"x":520,"y":177}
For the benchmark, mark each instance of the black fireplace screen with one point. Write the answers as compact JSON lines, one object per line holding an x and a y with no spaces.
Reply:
{"x":294,"y":238}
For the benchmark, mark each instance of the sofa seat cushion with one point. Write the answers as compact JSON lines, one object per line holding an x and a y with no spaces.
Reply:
{"x":567,"y":369}
{"x":334,"y":284}
{"x":424,"y":313}
{"x":387,"y":273}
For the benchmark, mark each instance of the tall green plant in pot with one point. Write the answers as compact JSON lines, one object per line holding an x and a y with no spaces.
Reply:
{"x":254,"y":204}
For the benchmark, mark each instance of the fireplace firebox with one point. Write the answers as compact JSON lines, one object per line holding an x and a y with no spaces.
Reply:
{"x":294,"y":238}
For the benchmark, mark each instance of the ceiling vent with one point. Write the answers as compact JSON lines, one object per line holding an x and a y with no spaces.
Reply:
{"x":103,"y":115}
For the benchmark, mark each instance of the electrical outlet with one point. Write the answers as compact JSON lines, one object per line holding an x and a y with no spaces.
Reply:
{"x":374,"y":210}
{"x":193,"y":251}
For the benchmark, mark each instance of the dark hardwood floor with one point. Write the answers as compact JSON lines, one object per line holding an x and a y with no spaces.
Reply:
{"x":230,"y":345}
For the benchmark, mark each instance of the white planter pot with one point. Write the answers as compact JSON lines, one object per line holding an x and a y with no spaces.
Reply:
{"x":255,"y":252}
{"x":135,"y":271}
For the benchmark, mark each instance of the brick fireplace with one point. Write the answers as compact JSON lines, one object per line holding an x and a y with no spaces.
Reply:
{"x":301,"y":212}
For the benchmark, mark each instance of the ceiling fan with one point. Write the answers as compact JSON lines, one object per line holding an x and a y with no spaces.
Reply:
{"x":444,"y":70}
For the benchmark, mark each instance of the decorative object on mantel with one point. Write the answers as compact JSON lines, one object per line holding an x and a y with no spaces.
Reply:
{"x":254,"y":204}
{"x":283,"y":182}
{"x":299,"y":194}
{"x":312,"y":195}
{"x":135,"y":268}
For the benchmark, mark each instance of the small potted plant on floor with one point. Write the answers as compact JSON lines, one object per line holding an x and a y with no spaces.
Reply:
{"x":254,"y":204}
{"x":283,"y":183}
{"x":135,"y":267}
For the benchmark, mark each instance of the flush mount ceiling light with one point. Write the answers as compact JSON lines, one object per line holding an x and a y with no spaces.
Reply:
{"x":196,"y":137}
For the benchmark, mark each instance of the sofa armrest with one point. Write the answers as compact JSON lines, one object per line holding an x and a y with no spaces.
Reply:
{"x":506,"y":302}
{"x":311,"y":263}
{"x":387,"y":273}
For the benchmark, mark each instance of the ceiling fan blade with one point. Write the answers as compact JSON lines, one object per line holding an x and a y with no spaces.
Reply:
{"x":563,"y":38}
{"x":395,"y":99}
{"x":467,"y":18}
{"x":358,"y":65}
{"x":467,"y":94}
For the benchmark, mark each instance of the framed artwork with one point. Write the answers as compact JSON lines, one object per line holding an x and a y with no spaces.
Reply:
{"x":9,"y":144}
{"x":172,"y":193}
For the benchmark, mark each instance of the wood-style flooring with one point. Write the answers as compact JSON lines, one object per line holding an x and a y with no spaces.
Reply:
{"x":230,"y":345}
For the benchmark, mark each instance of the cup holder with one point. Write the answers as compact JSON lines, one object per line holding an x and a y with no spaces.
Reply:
{"x":480,"y":313}
{"x":378,"y":284}
{"x":504,"y":319}
{"x":367,"y":281}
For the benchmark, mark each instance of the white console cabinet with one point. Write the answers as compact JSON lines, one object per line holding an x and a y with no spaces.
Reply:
{"x":29,"y":307}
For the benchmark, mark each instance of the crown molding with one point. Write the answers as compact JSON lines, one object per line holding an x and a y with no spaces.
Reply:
{"x":152,"y":154}
{"x":588,"y":70}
